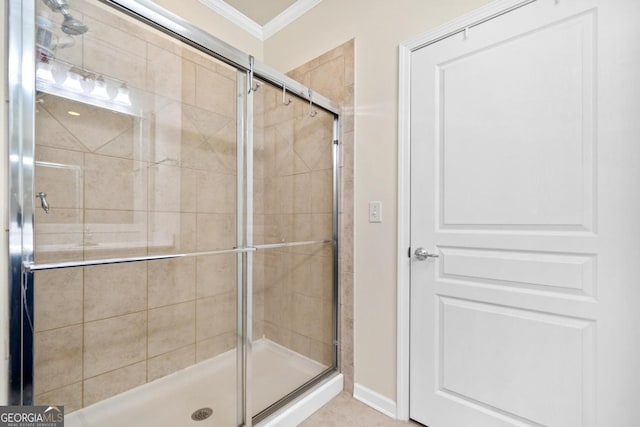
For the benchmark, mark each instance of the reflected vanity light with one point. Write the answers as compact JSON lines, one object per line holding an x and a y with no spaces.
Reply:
{"x":45,"y":73}
{"x":72,"y":82}
{"x":100,"y":89}
{"x":122,"y":97}
{"x":68,"y":81}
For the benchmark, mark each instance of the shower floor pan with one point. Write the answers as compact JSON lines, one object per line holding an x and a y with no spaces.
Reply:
{"x":170,"y":401}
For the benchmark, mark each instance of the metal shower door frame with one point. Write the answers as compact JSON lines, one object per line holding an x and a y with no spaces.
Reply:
{"x":21,"y":141}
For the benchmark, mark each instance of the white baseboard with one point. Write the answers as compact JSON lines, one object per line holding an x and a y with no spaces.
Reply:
{"x":375,"y":400}
{"x":297,"y":412}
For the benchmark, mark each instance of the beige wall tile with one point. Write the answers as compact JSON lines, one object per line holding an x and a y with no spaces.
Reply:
{"x":169,"y":134}
{"x":69,"y":396}
{"x":171,"y":327}
{"x":300,"y":274}
{"x":348,"y":116}
{"x":258,"y":315}
{"x":284,"y":194}
{"x":171,"y":362}
{"x":216,"y":93}
{"x":114,"y":382}
{"x":224,"y":145}
{"x":216,"y":231}
{"x":171,"y":188}
{"x":93,"y":126}
{"x":58,"y":358}
{"x":112,"y":234}
{"x":322,"y":191}
{"x":302,"y":193}
{"x":114,"y":35}
{"x":169,"y":75}
{"x":278,"y":113}
{"x":313,"y":137}
{"x":216,"y":193}
{"x":127,"y":145}
{"x":211,"y":347}
{"x":328,"y":79}
{"x":112,"y":183}
{"x":58,"y":297}
{"x":321,"y":352}
{"x":215,"y":315}
{"x":171,"y":281}
{"x":116,"y":62}
{"x":51,"y":133}
{"x":57,"y":247}
{"x":114,"y":343}
{"x":258,"y":271}
{"x":300,"y":344}
{"x":114,"y":290}
{"x":216,"y":275}
{"x":277,"y":334}
{"x":172,"y":232}
{"x":205,"y":122}
{"x":279,"y":306}
{"x":308,"y":316}
{"x":258,"y":195}
{"x":321,"y":226}
{"x":301,"y":228}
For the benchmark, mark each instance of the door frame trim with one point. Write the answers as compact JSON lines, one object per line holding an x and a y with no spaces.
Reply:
{"x":403,"y":278}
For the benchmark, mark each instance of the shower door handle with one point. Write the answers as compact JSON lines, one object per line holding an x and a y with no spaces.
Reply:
{"x":421,"y":254}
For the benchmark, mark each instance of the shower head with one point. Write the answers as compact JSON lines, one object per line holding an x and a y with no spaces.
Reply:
{"x":72,"y":26}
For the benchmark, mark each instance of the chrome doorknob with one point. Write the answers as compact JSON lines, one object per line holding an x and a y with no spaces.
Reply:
{"x":422,"y":254}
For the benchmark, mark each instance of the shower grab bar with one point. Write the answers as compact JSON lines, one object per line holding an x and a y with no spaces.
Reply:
{"x":30,"y":267}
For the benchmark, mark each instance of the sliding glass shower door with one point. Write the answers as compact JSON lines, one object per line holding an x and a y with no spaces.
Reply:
{"x":173,"y":218}
{"x":135,"y":159}
{"x":293,"y":281}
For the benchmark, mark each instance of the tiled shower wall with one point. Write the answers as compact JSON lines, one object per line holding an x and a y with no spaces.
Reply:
{"x":333,"y":75}
{"x":125,"y":186}
{"x":298,"y":207}
{"x":165,"y":182}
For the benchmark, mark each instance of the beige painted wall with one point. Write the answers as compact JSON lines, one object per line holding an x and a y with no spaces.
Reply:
{"x":378,"y":27}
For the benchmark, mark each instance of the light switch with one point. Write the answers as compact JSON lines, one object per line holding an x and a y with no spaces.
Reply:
{"x":375,"y":211}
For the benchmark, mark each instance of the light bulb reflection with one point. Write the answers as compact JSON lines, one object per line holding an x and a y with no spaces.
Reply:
{"x":72,"y":82}
{"x":44,"y":73}
{"x":100,"y":89}
{"x":122,"y":96}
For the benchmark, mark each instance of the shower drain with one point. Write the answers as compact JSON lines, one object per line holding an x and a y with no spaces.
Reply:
{"x":201,"y":414}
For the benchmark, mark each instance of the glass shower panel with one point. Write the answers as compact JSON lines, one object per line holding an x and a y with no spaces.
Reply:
{"x":293,"y":276}
{"x":135,"y":157}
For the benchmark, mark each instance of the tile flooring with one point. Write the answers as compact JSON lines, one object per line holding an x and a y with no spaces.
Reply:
{"x":345,"y":411}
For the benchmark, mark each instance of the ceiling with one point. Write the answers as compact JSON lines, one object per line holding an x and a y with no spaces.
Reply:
{"x":261,"y":11}
{"x":261,"y":18}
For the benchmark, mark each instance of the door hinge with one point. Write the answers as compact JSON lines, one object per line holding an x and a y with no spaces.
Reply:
{"x":409,"y":252}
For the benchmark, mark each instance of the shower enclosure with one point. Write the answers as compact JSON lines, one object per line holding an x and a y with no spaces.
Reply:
{"x":173,"y":219}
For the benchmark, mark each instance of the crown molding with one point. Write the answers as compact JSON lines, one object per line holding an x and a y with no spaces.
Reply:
{"x":293,"y":12}
{"x":235,"y":16}
{"x":289,"y":15}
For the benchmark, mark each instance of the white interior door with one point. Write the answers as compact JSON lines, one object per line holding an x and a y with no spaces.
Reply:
{"x":525,"y":168}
